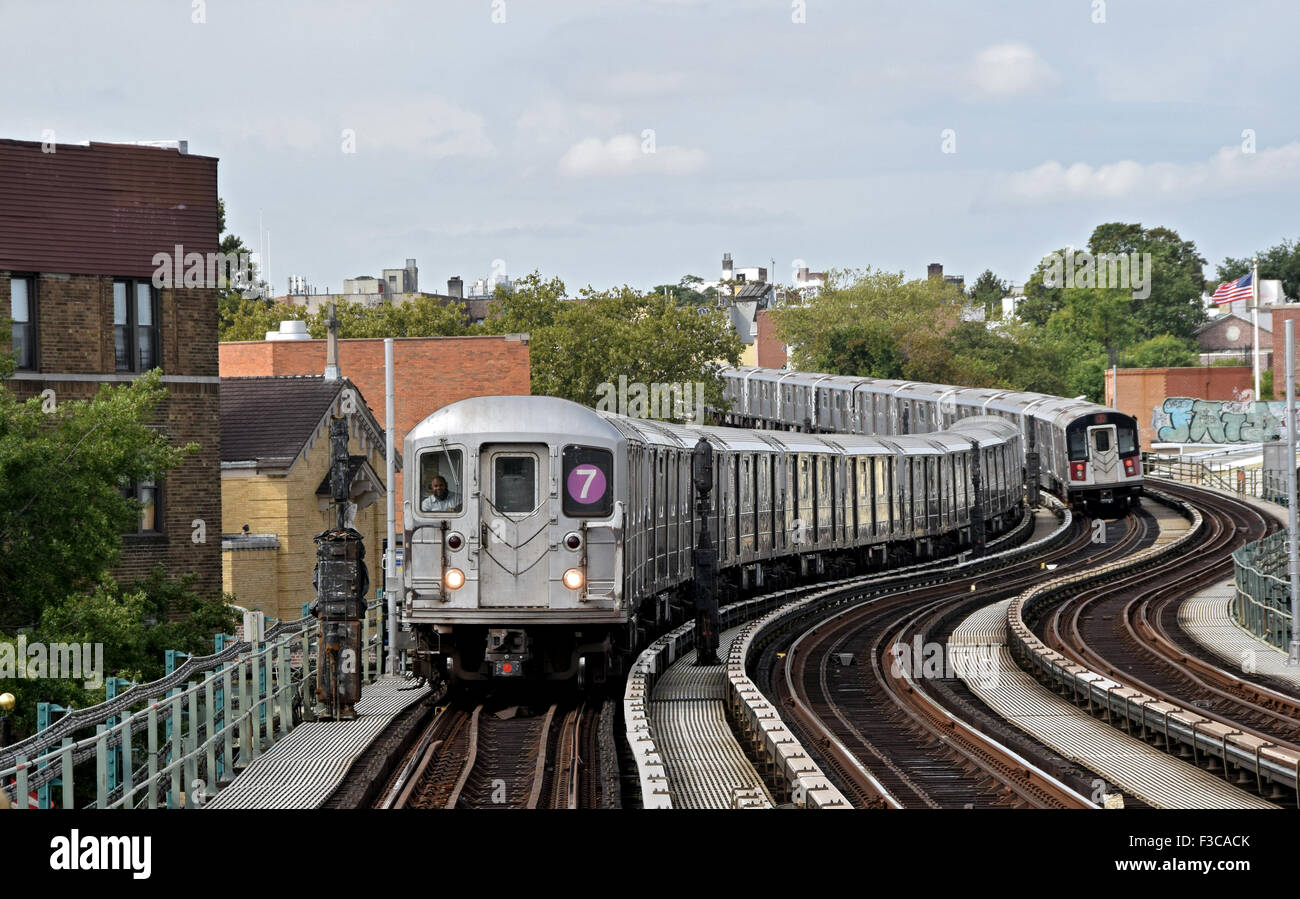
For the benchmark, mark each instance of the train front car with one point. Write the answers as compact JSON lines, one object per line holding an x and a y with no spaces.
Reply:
{"x":1103,"y":459}
{"x":512,"y":510}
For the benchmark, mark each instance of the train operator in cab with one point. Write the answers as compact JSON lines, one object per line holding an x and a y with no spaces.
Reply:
{"x":440,"y":499}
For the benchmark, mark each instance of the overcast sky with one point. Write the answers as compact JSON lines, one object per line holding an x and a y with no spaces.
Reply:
{"x":523,"y":140}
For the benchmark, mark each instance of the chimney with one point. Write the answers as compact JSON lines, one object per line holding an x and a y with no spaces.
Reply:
{"x":726,"y":266}
{"x":934,"y":271}
{"x":456,"y":287}
{"x":332,"y":347}
{"x":412,"y":277}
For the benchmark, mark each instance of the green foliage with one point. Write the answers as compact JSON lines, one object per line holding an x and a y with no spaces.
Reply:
{"x":1165,"y":351}
{"x":135,"y":624}
{"x":686,"y":292}
{"x":250,"y":319}
{"x":1281,"y":262}
{"x":1174,"y":305}
{"x":872,"y":323}
{"x":61,"y":509}
{"x":988,"y":290}
{"x":577,"y":345}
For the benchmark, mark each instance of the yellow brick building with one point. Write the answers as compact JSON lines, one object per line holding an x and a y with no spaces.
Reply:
{"x":275,"y":497}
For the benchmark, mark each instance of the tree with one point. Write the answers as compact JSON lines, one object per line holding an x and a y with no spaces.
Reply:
{"x":1281,"y":262}
{"x":1041,"y":299}
{"x":578,"y":345}
{"x":135,"y":623}
{"x":250,"y":319}
{"x":988,"y":290}
{"x":62,"y":508}
{"x":872,"y":323}
{"x":1165,"y":351}
{"x":1177,"y":280}
{"x":531,"y":305}
{"x":686,"y":292}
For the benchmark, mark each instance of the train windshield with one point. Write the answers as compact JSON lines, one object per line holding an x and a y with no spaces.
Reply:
{"x":1076,"y":444}
{"x":441,"y":483}
{"x":1101,"y":440}
{"x":1127,"y":438}
{"x":514,"y":481}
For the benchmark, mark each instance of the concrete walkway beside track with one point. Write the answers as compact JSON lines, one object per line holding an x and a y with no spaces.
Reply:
{"x":706,"y":766}
{"x":1155,"y":777}
{"x":306,"y":767}
{"x":1205,"y":618}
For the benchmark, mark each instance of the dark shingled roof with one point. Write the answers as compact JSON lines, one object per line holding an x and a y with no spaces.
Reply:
{"x":268,"y":420}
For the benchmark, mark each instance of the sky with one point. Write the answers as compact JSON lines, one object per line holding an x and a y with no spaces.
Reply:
{"x":635,"y":141}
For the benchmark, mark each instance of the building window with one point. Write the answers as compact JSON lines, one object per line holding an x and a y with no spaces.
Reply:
{"x":22,"y":295}
{"x":149,"y":495}
{"x":135,"y":328}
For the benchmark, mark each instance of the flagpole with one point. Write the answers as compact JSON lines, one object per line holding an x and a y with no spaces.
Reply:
{"x":1254,"y":293}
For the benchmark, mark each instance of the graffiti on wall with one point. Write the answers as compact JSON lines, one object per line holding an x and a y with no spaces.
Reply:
{"x":1182,"y":419}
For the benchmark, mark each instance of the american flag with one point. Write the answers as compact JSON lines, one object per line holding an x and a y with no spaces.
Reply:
{"x":1231,"y":291}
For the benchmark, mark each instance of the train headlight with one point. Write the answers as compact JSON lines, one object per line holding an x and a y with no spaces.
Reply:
{"x":1078,"y":471}
{"x":453,"y":579}
{"x":1132,"y":466}
{"x":575,"y":579}
{"x":455,"y":541}
{"x":573,"y":541}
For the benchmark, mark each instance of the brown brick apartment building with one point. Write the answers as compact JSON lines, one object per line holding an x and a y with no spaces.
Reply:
{"x":429,"y":372}
{"x":79,"y":229}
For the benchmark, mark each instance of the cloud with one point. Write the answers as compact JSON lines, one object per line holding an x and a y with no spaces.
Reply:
{"x":627,"y":154}
{"x":644,"y":83}
{"x":1226,"y":172}
{"x":557,"y":121}
{"x":427,"y":126}
{"x":1005,"y":70}
{"x":430,"y":126}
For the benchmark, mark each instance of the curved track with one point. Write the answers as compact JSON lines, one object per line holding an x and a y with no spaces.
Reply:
{"x":875,"y":712}
{"x":1128,"y":629}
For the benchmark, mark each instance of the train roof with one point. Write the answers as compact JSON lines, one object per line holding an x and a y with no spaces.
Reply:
{"x":507,"y":416}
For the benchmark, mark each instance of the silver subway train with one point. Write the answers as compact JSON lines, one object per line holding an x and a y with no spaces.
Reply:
{"x":1086,"y":453}
{"x":547,"y":540}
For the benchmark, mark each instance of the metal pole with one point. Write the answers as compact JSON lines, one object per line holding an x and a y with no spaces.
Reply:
{"x":390,"y":574}
{"x":1293,"y":557}
{"x":1254,"y":313}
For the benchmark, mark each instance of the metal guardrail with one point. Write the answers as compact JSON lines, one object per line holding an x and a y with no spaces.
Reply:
{"x":202,"y":723}
{"x":1261,"y":603}
{"x":1262,"y":483}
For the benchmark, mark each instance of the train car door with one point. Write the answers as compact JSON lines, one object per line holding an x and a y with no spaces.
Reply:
{"x":1104,"y":452}
{"x":515,"y":517}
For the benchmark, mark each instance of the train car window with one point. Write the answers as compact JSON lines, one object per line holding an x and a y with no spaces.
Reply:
{"x":588,"y":482}
{"x":1076,"y":444}
{"x":442,"y":487}
{"x":514,"y":483}
{"x":1127,"y":439}
{"x":1101,"y":440}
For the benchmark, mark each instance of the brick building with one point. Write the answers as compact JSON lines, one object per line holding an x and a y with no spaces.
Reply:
{"x":1143,"y":390}
{"x":1231,"y":337}
{"x":429,"y":372}
{"x":275,"y":465}
{"x":79,"y":229}
{"x":770,"y":352}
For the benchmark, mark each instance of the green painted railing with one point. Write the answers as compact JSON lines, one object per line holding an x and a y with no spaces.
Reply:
{"x":1261,"y":603}
{"x":176,"y":741}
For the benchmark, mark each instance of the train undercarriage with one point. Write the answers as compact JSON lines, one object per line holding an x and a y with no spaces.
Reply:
{"x":592,"y":654}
